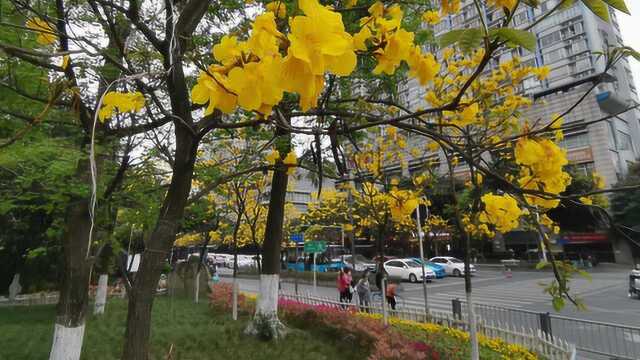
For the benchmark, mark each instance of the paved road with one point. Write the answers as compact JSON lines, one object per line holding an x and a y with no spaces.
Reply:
{"x":605,"y":297}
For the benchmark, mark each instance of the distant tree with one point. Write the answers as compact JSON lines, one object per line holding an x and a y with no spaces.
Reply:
{"x":625,"y":205}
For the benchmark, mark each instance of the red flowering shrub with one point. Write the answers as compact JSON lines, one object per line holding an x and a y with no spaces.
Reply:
{"x":221,"y":298}
{"x":382,"y":342}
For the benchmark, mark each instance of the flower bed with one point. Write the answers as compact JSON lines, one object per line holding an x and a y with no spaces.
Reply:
{"x":402,"y":339}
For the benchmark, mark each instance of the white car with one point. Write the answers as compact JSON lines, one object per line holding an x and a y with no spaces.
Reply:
{"x":362,"y":263}
{"x":244,"y":261}
{"x":408,"y":269}
{"x":220,"y":259}
{"x":452,"y":266}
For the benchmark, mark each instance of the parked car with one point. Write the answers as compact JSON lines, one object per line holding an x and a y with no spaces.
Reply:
{"x":362,"y":263}
{"x":407,"y":269}
{"x":437,"y":268}
{"x":220,"y":259}
{"x":376,"y":259}
{"x":451,"y":265}
{"x":244,"y":261}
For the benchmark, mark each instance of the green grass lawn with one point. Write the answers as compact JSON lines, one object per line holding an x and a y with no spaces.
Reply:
{"x":193,"y":329}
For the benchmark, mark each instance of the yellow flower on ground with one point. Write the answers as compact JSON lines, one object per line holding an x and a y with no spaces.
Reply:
{"x":278,"y":8}
{"x":120,"y":102}
{"x":431,"y":17}
{"x":46,"y":32}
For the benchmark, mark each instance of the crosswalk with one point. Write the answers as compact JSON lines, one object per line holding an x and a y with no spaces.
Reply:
{"x":511,"y":294}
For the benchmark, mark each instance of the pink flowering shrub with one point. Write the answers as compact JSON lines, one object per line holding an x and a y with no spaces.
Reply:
{"x":221,"y":298}
{"x":382,"y":342}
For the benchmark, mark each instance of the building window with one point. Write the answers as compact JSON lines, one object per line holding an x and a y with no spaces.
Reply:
{"x":624,"y":141}
{"x":550,"y":39}
{"x":554,"y":56}
{"x":572,"y":141}
{"x":585,"y":169}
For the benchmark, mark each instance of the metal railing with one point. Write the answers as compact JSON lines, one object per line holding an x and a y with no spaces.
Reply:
{"x":613,"y":340}
{"x":601,"y":338}
{"x":550,"y":347}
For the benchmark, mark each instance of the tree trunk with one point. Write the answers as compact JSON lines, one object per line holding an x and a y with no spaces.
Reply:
{"x":136,"y":346}
{"x":101,"y":294}
{"x":265,"y":322}
{"x":74,"y":291}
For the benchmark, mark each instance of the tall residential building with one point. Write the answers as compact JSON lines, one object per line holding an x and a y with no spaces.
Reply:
{"x":303,"y":188}
{"x":568,"y":42}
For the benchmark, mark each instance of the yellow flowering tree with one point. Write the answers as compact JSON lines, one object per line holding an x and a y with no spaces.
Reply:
{"x":312,"y":69}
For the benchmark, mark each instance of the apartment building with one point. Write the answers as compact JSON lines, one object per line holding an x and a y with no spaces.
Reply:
{"x":568,"y":42}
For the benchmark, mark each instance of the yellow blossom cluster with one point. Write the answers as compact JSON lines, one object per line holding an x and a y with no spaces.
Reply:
{"x":390,"y":148}
{"x":476,"y":230}
{"x":188,"y":239}
{"x":541,"y":169}
{"x":254,"y":75}
{"x":493,"y":100}
{"x":391,"y":45}
{"x":509,"y":4}
{"x":46,"y":33}
{"x":291,"y":160}
{"x":500,"y":211}
{"x":121,"y":102}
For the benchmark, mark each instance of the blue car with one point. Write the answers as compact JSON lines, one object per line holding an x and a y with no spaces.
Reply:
{"x":437,"y":268}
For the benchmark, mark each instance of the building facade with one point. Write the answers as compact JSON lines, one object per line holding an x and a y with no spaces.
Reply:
{"x":569,"y":43}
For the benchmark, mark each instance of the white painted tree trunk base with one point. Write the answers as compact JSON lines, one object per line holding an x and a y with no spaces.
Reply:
{"x":67,"y":342}
{"x":473,"y":328}
{"x":101,"y":294}
{"x":265,"y":323}
{"x":196,"y":298}
{"x":234,"y":307}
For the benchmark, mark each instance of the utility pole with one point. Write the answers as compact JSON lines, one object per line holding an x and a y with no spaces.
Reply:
{"x":350,"y":214}
{"x":424,"y":264}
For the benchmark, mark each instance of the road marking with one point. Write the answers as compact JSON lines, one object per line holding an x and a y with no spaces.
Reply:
{"x":430,"y":286}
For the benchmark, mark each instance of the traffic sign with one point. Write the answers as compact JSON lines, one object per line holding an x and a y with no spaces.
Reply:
{"x":297,"y":238}
{"x":315,"y":246}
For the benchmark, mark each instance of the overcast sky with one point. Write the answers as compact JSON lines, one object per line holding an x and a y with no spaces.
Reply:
{"x":630,"y":27}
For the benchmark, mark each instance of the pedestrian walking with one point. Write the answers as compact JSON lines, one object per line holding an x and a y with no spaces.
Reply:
{"x":343,"y":284}
{"x":391,"y":295}
{"x":363,"y":288}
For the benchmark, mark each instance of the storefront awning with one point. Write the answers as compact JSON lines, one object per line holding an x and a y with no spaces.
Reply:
{"x":582,"y":238}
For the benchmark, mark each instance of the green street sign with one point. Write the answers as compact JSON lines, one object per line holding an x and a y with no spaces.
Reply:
{"x":315,"y":246}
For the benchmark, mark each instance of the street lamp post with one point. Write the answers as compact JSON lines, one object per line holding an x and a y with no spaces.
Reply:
{"x":420,"y":236}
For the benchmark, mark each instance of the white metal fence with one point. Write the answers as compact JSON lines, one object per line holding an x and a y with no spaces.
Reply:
{"x":543,"y":344}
